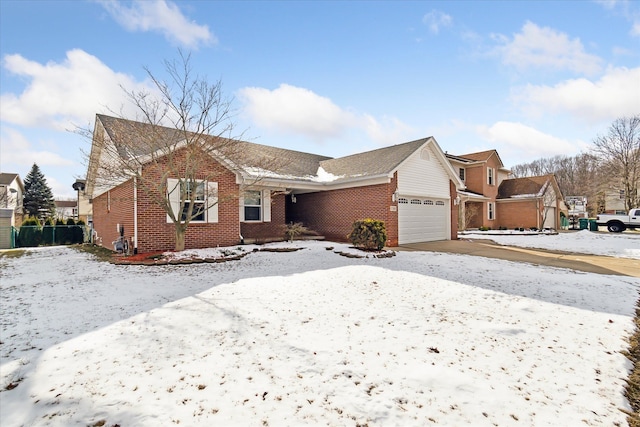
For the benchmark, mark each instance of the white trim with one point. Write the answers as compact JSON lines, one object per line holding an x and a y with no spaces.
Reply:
{"x":266,"y":206}
{"x":211,"y":200}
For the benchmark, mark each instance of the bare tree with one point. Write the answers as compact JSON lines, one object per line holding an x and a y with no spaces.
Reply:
{"x":576,"y":176}
{"x":619,"y":151}
{"x":183,"y":129}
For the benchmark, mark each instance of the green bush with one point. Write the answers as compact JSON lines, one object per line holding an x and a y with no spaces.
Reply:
{"x":30,"y":234}
{"x":48,"y":232}
{"x":368,"y":234}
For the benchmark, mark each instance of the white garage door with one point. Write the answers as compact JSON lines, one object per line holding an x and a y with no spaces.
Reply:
{"x":550,"y":219}
{"x":422,"y":219}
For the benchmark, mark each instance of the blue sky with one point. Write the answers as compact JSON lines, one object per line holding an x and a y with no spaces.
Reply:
{"x":531,"y":79}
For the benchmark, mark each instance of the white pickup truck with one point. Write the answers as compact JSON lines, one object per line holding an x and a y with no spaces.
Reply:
{"x":619,"y":223}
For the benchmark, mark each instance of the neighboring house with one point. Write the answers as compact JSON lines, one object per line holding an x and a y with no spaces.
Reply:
{"x":84,"y":208}
{"x":66,"y":209}
{"x":531,"y":202}
{"x":492,"y":199}
{"x":482,"y":174}
{"x":11,"y":214}
{"x":612,"y":201}
{"x":412,"y":187}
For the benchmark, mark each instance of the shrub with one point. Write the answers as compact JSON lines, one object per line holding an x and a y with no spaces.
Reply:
{"x":368,"y":234}
{"x":48,"y":232}
{"x":30,"y":234}
{"x":294,"y":229}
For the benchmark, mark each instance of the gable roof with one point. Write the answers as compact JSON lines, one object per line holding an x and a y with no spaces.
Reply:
{"x":528,"y":187}
{"x":382,"y":161}
{"x":8,"y":178}
{"x":480,"y":156}
{"x":256,"y":159}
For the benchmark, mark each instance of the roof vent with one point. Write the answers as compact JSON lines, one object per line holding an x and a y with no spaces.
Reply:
{"x":425,"y":155}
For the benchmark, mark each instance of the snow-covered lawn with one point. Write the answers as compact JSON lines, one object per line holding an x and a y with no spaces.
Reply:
{"x":312,"y":338}
{"x":624,"y":245}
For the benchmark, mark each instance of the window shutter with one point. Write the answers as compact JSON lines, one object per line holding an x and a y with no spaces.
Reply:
{"x":173,"y":194}
{"x":212,"y":202}
{"x":241,"y":204}
{"x":266,"y":205}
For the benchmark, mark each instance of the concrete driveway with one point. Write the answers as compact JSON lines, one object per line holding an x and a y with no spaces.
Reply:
{"x":489,"y":249}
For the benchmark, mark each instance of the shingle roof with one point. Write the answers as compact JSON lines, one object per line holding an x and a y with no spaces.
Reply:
{"x":278,"y":161}
{"x":532,"y":186}
{"x":480,"y":156}
{"x":7,"y":178}
{"x":371,"y":163}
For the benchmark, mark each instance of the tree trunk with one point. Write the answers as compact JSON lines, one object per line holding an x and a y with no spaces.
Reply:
{"x":180,"y":235}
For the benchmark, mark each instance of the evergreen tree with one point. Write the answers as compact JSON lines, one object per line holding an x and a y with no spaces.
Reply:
{"x":38,"y":197}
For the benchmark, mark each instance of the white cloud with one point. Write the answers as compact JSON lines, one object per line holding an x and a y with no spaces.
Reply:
{"x":18,"y":151}
{"x":61,"y":95}
{"x":162,"y":16}
{"x":635,"y":28}
{"x":295,"y":110}
{"x":628,"y":9}
{"x":436,"y":20}
{"x":516,"y":140}
{"x":615,"y":94}
{"x":545,"y":48}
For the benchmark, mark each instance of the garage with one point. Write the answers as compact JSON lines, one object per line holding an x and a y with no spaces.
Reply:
{"x":422,"y":219}
{"x":550,"y":218}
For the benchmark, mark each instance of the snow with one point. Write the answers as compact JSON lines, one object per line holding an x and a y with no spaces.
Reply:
{"x":314,"y":338}
{"x":624,"y":245}
{"x":324,"y":176}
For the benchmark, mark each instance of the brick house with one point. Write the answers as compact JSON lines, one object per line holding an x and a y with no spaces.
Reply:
{"x":531,"y":202}
{"x":412,"y":187}
{"x":482,"y":174}
{"x":493,"y":199}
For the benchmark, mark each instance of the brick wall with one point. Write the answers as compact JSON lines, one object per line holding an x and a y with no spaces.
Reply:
{"x":267,"y":231}
{"x":332,"y":213}
{"x":154,"y":232}
{"x":110,"y":209}
{"x":517,"y":214}
{"x":454,"y":210}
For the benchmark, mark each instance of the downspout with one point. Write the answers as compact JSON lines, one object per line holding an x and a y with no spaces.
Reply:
{"x":135,"y":215}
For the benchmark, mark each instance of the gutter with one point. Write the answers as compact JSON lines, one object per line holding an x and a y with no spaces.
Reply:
{"x":135,"y":215}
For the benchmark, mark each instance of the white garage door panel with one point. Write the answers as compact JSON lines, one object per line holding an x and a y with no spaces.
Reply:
{"x":422,"y":222}
{"x":550,"y":220}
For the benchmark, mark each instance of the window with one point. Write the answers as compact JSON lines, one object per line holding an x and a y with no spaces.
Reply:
{"x":255,"y":206}
{"x":428,"y":202}
{"x":403,"y":201}
{"x":415,"y":202}
{"x":461,"y":173}
{"x":439,"y":203}
{"x":201,"y":195}
{"x":491,"y":214}
{"x":490,"y":177}
{"x":621,"y":194}
{"x":194,"y":195}
{"x":252,"y":206}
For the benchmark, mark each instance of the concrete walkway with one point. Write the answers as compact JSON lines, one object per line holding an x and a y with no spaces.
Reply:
{"x":487,"y":248}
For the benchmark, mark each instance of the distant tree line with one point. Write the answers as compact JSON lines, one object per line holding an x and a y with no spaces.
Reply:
{"x":612,"y":163}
